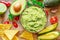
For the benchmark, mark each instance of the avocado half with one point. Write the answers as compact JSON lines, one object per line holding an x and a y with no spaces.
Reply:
{"x":22,"y":2}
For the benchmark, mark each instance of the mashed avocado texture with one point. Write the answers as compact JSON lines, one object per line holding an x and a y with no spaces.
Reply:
{"x":33,"y":19}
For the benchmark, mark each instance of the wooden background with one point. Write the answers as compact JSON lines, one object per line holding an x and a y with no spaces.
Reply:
{"x":5,"y":17}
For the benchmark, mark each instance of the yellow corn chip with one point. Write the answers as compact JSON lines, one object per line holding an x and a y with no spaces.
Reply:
{"x":5,"y":38}
{"x":5,"y":26}
{"x":15,"y":38}
{"x":27,"y":35}
{"x":1,"y":33}
{"x":10,"y":33}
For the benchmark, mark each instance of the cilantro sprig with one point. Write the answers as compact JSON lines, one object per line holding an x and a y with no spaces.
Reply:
{"x":35,"y":2}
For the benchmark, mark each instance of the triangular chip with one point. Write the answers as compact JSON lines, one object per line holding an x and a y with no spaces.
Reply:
{"x":1,"y":33}
{"x":10,"y":33}
{"x":5,"y":26}
{"x":15,"y":38}
{"x":27,"y":35}
{"x":5,"y":38}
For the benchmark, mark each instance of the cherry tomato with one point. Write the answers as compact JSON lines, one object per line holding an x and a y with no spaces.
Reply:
{"x":15,"y":24}
{"x":6,"y":3}
{"x":6,"y":22}
{"x":16,"y":18}
{"x":53,"y":20}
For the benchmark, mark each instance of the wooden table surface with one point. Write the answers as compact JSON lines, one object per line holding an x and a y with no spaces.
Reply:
{"x":5,"y":16}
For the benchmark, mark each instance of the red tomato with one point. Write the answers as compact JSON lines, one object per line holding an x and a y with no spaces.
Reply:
{"x":53,"y":20}
{"x":15,"y":24}
{"x":16,"y":18}
{"x":6,"y":3}
{"x":6,"y":22}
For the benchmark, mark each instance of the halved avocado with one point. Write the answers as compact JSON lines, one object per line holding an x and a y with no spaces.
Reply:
{"x":49,"y":36}
{"x":48,"y":29}
{"x":17,"y":7}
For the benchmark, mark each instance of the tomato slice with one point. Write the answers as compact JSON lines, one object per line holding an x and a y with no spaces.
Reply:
{"x":53,"y":19}
{"x":15,"y":24}
{"x":6,"y":22}
{"x":8,"y":4}
{"x":16,"y":18}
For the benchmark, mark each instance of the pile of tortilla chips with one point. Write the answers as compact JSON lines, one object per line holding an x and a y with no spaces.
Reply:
{"x":6,"y":33}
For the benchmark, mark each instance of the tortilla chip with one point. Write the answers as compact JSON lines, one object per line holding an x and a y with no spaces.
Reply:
{"x":1,"y":33}
{"x":5,"y":26}
{"x":15,"y":38}
{"x":10,"y":33}
{"x":5,"y":38}
{"x":27,"y":35}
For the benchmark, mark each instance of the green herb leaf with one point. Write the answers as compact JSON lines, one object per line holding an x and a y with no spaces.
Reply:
{"x":40,"y":4}
{"x":10,"y":17}
{"x":29,"y":4}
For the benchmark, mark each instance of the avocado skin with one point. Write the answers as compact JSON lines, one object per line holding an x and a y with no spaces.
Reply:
{"x":12,"y":11}
{"x":51,"y":3}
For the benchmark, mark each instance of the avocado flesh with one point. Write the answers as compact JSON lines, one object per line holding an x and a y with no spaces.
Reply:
{"x":3,"y":8}
{"x":33,"y":19}
{"x":12,"y":11}
{"x":48,"y":29}
{"x":49,"y":36}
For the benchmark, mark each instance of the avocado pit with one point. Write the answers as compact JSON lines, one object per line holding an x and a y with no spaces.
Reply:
{"x":17,"y":7}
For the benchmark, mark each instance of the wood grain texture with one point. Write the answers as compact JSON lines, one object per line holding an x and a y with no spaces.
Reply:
{"x":20,"y":28}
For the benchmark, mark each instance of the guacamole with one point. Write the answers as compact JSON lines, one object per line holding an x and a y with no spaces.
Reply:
{"x":33,"y":19}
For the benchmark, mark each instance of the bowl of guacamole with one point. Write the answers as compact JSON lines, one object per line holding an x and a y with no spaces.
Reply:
{"x":33,"y":19}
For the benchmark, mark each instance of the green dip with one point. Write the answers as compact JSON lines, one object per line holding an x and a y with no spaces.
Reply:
{"x":3,"y":8}
{"x":33,"y":19}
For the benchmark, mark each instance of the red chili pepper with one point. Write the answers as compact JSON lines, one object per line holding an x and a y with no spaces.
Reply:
{"x":53,"y":20}
{"x":6,"y":3}
{"x":6,"y":22}
{"x":15,"y":24}
{"x":16,"y":18}
{"x":46,"y":11}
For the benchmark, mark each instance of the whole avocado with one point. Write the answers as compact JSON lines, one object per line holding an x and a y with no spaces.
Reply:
{"x":51,"y":3}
